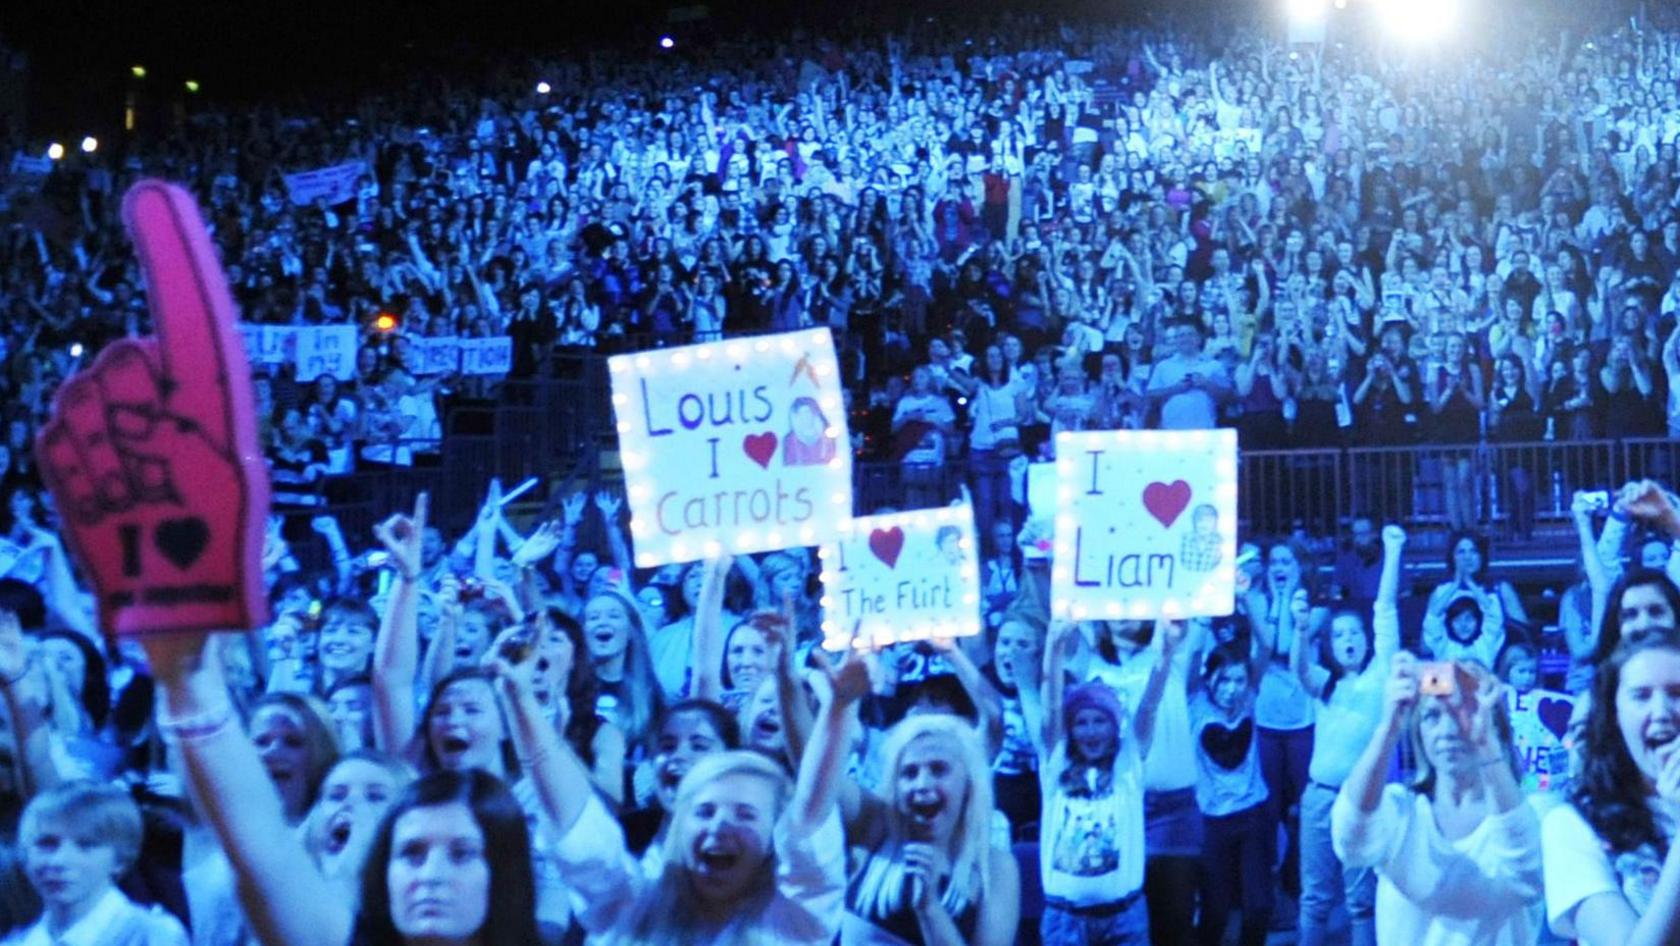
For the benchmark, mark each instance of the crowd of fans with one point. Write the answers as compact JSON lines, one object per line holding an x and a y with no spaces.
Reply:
{"x":516,"y":737}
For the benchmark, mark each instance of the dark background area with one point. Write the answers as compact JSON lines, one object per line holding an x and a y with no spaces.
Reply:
{"x":79,"y":52}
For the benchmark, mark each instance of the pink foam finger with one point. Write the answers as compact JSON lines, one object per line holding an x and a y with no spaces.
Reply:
{"x":66,"y":473}
{"x":202,"y":359}
{"x":81,"y":411}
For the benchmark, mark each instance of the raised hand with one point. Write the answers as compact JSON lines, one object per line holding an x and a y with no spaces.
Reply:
{"x":1393,"y":537}
{"x":572,"y":509}
{"x":538,"y":545}
{"x":609,"y":504}
{"x":1401,"y":694}
{"x":402,"y":537}
{"x":152,"y":452}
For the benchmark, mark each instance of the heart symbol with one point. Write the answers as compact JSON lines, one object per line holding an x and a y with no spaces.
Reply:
{"x":1165,"y":501}
{"x":1554,"y":715}
{"x":760,"y":448}
{"x":1228,"y":746}
{"x":182,"y":541}
{"x":886,"y":544}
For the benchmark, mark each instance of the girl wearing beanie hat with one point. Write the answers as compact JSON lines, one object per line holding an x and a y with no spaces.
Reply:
{"x":1092,"y":842}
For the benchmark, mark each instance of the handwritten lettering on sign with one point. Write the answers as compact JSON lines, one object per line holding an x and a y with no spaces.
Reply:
{"x":1145,"y":524}
{"x":737,"y":446}
{"x":904,"y":576}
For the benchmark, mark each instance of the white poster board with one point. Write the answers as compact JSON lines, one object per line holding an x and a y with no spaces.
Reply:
{"x":1146,"y":524}
{"x":904,"y":576}
{"x":737,"y":446}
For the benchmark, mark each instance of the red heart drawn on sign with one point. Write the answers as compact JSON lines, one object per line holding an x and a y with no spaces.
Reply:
{"x":886,"y":544}
{"x":1165,"y":501}
{"x":760,"y":448}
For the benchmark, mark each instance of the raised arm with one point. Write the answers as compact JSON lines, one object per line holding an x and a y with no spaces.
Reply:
{"x":396,"y":652}
{"x":286,"y":900}
{"x":1385,"y":617}
{"x":709,"y":632}
{"x":1062,"y":637}
{"x":1171,"y":634}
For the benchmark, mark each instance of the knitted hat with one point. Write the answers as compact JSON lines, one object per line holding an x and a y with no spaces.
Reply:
{"x":1094,"y":695}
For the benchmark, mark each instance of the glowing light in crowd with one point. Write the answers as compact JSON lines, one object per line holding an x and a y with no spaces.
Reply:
{"x":138,"y":71}
{"x":1305,"y":11}
{"x":666,"y":42}
{"x":76,"y":349}
{"x":1417,"y":21}
{"x":192,"y":85}
{"x":55,"y":151}
{"x":384,"y":322}
{"x":543,"y":88}
{"x":90,"y":144}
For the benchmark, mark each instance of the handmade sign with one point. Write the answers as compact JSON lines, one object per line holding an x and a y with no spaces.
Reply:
{"x":904,"y":576}
{"x":737,"y":446}
{"x":1539,"y":726}
{"x":152,"y":454}
{"x":1146,"y":524}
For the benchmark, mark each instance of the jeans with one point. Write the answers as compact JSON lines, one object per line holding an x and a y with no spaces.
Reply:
{"x":1324,"y":880}
{"x":1237,"y":871}
{"x":1284,"y":756}
{"x":992,"y":499}
{"x":1063,"y":925}
{"x":1173,"y":826}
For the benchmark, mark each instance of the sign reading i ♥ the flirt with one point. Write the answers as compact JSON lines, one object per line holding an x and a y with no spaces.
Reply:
{"x":903,"y":576}
{"x":1146,"y":524}
{"x":735,"y":446}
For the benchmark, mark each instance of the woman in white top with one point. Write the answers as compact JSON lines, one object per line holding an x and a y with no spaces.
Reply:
{"x":1612,"y":871}
{"x":1346,"y":682}
{"x":1457,"y":852}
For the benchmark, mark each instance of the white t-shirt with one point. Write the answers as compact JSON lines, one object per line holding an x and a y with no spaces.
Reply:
{"x":1347,"y":719}
{"x":114,"y":921}
{"x":1091,"y":850}
{"x":1169,"y":765}
{"x":1475,"y":891}
{"x":1579,"y":868}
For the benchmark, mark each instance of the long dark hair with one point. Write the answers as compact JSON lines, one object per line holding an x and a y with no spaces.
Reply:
{"x":511,"y":915}
{"x":1610,"y":792}
{"x":1327,"y":659}
{"x":1610,"y":630}
{"x":582,"y":689}
{"x":510,"y":759}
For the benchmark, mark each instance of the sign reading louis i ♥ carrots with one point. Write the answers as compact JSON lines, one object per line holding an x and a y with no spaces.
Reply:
{"x":734,"y":446}
{"x":902,"y":576}
{"x":1145,"y":524}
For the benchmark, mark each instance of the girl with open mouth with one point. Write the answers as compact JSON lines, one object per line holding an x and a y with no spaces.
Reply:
{"x":1346,"y":683}
{"x":1612,"y":869}
{"x":1092,"y":831}
{"x":750,"y":856}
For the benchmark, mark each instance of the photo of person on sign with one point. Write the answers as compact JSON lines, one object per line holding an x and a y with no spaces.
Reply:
{"x":808,"y":441}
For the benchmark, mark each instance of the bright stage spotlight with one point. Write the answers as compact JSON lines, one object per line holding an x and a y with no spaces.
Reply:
{"x":1307,"y":20}
{"x":1418,"y":21}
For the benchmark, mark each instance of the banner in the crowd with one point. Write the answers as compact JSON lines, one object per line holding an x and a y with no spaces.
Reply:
{"x":1146,"y":524}
{"x":29,"y":165}
{"x":736,"y":446}
{"x":904,"y":576}
{"x":313,"y":350}
{"x":470,"y":356}
{"x":335,"y":184}
{"x":1225,"y":142}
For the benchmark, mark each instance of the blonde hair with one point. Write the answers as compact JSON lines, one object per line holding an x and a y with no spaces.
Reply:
{"x":668,"y":913}
{"x":880,"y":890}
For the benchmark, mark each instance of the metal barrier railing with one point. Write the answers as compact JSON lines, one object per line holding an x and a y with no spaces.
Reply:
{"x":559,"y":429}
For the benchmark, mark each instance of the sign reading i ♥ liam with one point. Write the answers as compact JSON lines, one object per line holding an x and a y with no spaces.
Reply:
{"x":904,"y":576}
{"x":1146,"y":524}
{"x":734,"y":446}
